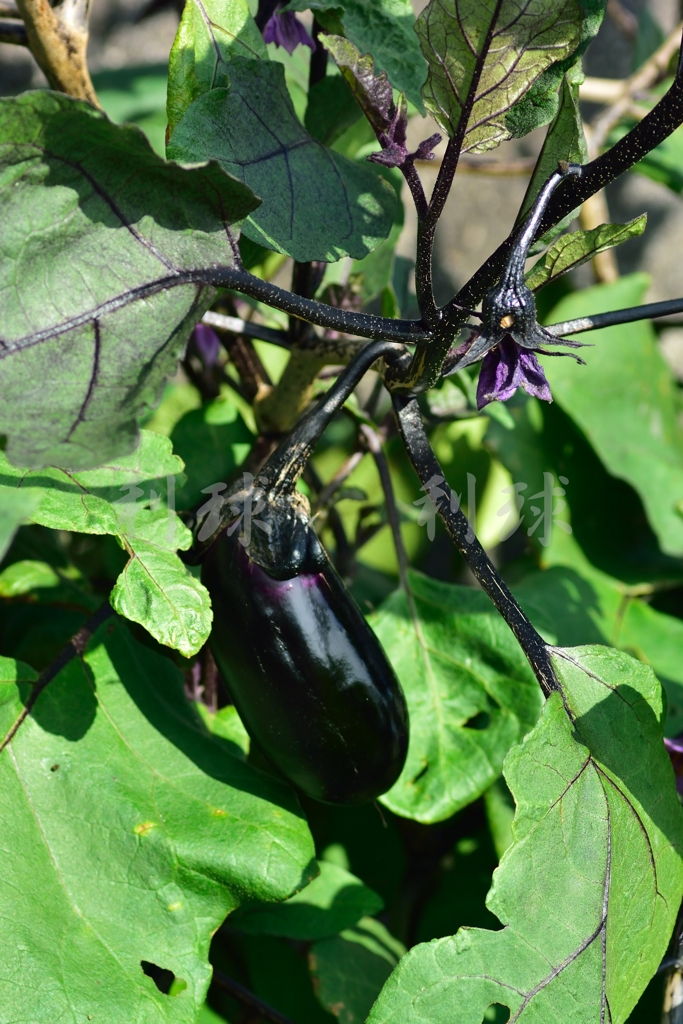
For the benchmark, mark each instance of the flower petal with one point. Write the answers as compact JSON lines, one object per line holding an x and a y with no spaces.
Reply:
{"x":506,"y":368}
{"x":287,"y":31}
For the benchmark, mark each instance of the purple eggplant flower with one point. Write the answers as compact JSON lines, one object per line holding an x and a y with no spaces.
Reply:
{"x":507,"y":367}
{"x":674,"y":749}
{"x":207,"y":343}
{"x":286,"y":30}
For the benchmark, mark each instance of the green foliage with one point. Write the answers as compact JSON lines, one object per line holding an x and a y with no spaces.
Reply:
{"x":128,"y":498}
{"x":484,"y":57}
{"x":350,"y":969}
{"x":571,"y":251}
{"x":92,"y":341}
{"x":540,"y":104}
{"x":210,"y":34}
{"x":624,"y":373}
{"x":470,"y":695}
{"x":385,"y":30}
{"x":333,"y":901}
{"x":564,"y":141}
{"x":146,"y":837}
{"x":253,"y":132}
{"x":134,"y":833}
{"x":587,"y":927}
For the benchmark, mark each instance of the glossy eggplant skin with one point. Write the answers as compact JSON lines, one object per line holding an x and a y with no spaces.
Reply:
{"x":307,"y":674}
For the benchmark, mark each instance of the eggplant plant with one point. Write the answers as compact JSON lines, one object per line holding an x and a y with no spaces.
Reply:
{"x":340,"y":626}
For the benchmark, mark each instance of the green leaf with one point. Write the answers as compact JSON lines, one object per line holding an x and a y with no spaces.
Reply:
{"x":40,"y":583}
{"x":317,"y":205}
{"x":471,"y":695}
{"x":158,"y":591}
{"x":87,"y":343}
{"x":564,"y":141}
{"x":212,"y":442}
{"x":540,"y":104}
{"x":385,"y":30}
{"x":129,"y":499}
{"x":331,"y":109}
{"x":350,"y":969}
{"x":227,"y":724}
{"x":589,"y":891}
{"x":134,"y":833}
{"x":624,"y":400}
{"x":484,"y":57}
{"x":570,"y":251}
{"x":211,"y":33}
{"x":333,"y":901}
{"x":15,"y":508}
{"x":574,"y":603}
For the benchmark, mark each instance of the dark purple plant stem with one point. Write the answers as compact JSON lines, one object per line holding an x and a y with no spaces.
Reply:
{"x":75,"y":646}
{"x":266,"y":9}
{"x":318,"y":66}
{"x":426,"y":466}
{"x":654,"y":128}
{"x":648,"y":311}
{"x":264,"y":1010}
{"x":426,"y":230}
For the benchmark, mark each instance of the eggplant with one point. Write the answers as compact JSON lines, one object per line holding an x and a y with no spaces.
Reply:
{"x":308,"y":677}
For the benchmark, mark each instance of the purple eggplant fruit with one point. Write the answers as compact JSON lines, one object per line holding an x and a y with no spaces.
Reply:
{"x":307,"y":674}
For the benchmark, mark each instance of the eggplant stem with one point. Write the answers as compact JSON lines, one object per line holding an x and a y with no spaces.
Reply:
{"x":286,"y":464}
{"x":427,"y":467}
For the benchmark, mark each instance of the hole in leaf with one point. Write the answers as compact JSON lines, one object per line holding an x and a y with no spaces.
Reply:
{"x":422,"y":771}
{"x":496,"y":1013}
{"x":480,"y":721}
{"x":164,"y":979}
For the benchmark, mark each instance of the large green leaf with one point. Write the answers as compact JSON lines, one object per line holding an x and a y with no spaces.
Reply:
{"x":589,"y":891}
{"x":97,"y":233}
{"x":484,"y":56}
{"x":15,"y":508}
{"x":317,"y":205}
{"x":540,"y":103}
{"x":385,"y":30}
{"x":570,"y":251}
{"x":211,"y":32}
{"x":133,"y":833}
{"x":350,"y":969}
{"x":471,"y":695}
{"x":624,"y":401}
{"x":333,"y":901}
{"x":132,"y":499}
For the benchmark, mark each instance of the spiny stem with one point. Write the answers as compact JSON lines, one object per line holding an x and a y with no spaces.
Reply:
{"x":649,"y":311}
{"x":427,"y":467}
{"x":654,"y":128}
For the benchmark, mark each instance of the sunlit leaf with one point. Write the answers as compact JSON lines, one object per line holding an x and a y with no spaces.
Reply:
{"x":385,"y":30}
{"x":210,"y":33}
{"x":484,"y":56}
{"x":317,"y":205}
{"x":471,"y":695}
{"x":96,"y":237}
{"x":133,"y":833}
{"x":333,"y":901}
{"x":589,"y":891}
{"x":573,"y":250}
